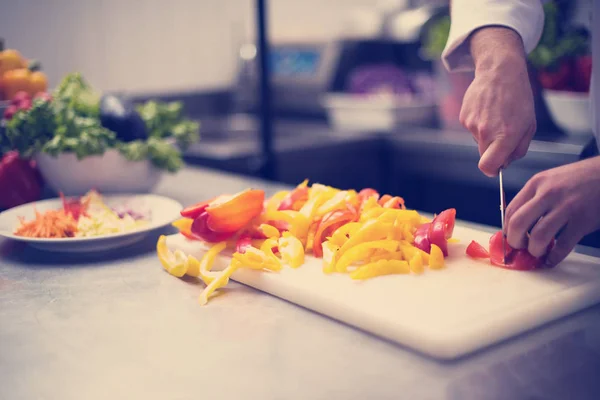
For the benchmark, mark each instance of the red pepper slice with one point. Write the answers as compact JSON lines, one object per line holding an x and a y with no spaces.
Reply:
{"x":295,"y":199}
{"x":421,"y":240}
{"x":201,"y":229}
{"x":330,"y":222}
{"x":475,"y":250}
{"x":364,"y":194}
{"x":392,"y":202}
{"x":195,"y":210}
{"x":441,"y":229}
{"x":243,"y":243}
{"x":230,"y":214}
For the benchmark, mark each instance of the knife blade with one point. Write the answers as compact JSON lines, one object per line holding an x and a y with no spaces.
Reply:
{"x":502,"y":207}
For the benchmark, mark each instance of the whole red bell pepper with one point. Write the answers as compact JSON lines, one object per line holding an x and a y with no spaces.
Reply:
{"x":20,"y":181}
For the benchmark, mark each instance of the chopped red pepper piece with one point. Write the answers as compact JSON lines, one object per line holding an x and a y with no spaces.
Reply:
{"x":295,"y":200}
{"x":364,"y":194}
{"x":233,"y":213}
{"x":475,"y":250}
{"x":441,"y":229}
{"x":421,"y":240}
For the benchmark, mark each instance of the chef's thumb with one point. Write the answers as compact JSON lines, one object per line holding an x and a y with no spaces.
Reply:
{"x":496,"y":156}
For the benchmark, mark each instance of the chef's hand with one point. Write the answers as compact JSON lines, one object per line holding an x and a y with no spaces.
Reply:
{"x":498,"y":106}
{"x":562,"y":202}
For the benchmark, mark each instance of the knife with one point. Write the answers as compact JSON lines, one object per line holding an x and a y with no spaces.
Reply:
{"x":502,"y":207}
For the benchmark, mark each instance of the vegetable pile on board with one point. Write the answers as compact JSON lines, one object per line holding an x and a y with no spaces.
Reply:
{"x":76,"y":119}
{"x":361,"y":234}
{"x":19,"y":75}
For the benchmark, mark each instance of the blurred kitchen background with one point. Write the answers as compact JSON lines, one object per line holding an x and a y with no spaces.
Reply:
{"x":360,"y":98}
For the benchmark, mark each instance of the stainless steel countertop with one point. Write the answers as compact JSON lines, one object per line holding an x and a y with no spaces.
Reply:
{"x":118,"y":327}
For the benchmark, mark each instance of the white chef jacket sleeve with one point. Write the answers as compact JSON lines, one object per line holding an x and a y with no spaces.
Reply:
{"x":526,"y":17}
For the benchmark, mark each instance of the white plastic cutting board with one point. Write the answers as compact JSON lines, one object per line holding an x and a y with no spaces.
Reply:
{"x":444,"y":313}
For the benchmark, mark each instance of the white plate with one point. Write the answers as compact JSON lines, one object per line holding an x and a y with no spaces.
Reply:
{"x":163,"y":212}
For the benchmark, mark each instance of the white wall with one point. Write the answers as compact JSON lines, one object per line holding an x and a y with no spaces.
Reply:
{"x":155,"y":45}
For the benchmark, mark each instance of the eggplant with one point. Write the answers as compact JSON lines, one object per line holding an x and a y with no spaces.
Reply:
{"x":118,"y":114}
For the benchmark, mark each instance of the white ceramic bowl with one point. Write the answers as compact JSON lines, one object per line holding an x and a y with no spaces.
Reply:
{"x":570,"y":111}
{"x":109,"y":173}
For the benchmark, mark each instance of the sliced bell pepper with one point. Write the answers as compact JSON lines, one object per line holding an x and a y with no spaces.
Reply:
{"x":207,"y":262}
{"x":421,"y":238}
{"x":269,"y":231}
{"x":416,"y":263}
{"x":172,"y":262}
{"x":380,"y":254}
{"x":369,"y":204}
{"x":475,"y":250}
{"x":329,"y":252}
{"x":319,"y":195}
{"x":220,"y":281}
{"x":233,"y":213}
{"x":330,"y":223}
{"x":343,"y":233}
{"x":183,"y":224}
{"x":274,"y":201}
{"x":293,"y":221}
{"x":441,"y":229}
{"x":393,"y":202}
{"x":409,"y":251}
{"x":369,"y":231}
{"x":338,"y":201}
{"x":367,"y":193}
{"x":383,"y":199}
{"x":267,"y":248}
{"x":360,"y":252}
{"x":379,"y":268}
{"x":436,"y":259}
{"x":255,"y":258}
{"x":291,"y":250}
{"x":201,"y":230}
{"x":243,"y":242}
{"x":195,"y":210}
{"x":295,"y":199}
{"x":192,"y":266}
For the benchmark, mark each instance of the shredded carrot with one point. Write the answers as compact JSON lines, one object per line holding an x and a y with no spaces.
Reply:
{"x":51,"y":224}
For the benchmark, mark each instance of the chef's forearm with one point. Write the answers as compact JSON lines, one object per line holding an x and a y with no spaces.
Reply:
{"x":494,"y":46}
{"x":511,"y":28}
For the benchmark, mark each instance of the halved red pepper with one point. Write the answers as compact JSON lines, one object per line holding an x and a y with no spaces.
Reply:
{"x":330,"y":222}
{"x":441,"y":229}
{"x":201,"y":230}
{"x":230,"y":214}
{"x":195,"y":210}
{"x":517,"y":259}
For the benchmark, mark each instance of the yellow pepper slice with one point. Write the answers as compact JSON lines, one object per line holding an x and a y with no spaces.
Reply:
{"x":192,"y":266}
{"x":416,"y":263}
{"x":220,"y":281}
{"x":298,"y":223}
{"x":291,"y":250}
{"x":172,"y":262}
{"x":381,"y":254}
{"x":436,"y":260}
{"x":207,"y":261}
{"x":329,"y":251}
{"x":183,"y":224}
{"x":361,"y":252}
{"x":409,"y":250}
{"x":366,"y":207}
{"x":453,"y":240}
{"x":342,"y":234}
{"x":379,"y":268}
{"x":309,"y":209}
{"x":257,"y":259}
{"x":369,"y":231}
{"x":269,"y":231}
{"x":338,"y":201}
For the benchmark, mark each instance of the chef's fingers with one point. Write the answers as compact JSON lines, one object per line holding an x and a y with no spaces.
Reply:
{"x":524,"y":195}
{"x":523,"y":219}
{"x":565,"y":243}
{"x":545,"y":230}
{"x":523,"y":146}
{"x":496,"y":155}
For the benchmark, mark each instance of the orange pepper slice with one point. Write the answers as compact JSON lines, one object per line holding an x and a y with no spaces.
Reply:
{"x":231,"y":214}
